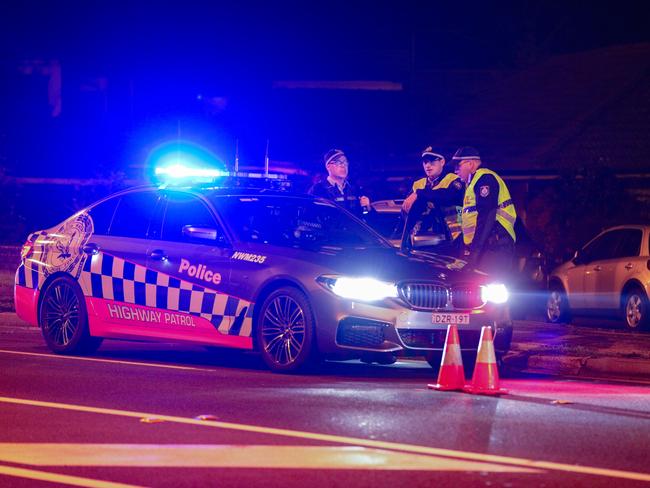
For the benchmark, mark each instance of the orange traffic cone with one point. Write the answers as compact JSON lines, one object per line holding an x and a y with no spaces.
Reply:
{"x":485,"y":380}
{"x":451,"y":375}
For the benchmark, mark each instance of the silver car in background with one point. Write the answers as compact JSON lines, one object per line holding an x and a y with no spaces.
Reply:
{"x":608,"y":276}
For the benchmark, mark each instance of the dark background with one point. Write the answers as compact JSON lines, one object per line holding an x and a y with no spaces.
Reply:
{"x":554,"y":95}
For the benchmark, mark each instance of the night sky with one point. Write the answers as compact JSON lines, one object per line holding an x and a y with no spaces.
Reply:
{"x":203,"y":70}
{"x":208,"y":39}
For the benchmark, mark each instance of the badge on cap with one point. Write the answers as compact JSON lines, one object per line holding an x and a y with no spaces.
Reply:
{"x":484,"y":191}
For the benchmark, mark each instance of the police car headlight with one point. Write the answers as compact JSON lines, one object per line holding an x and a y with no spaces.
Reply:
{"x":494,"y":293}
{"x":362,"y":289}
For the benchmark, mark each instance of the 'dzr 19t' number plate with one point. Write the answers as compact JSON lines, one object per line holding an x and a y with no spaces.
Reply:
{"x":450,"y":318}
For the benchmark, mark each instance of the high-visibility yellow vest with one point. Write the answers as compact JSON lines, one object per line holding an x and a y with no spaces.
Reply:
{"x":452,"y":214}
{"x":506,"y":214}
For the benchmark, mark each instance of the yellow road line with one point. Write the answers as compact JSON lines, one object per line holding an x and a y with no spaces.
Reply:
{"x":59,"y":478}
{"x":474,"y":456}
{"x":79,"y":358}
{"x":237,"y":456}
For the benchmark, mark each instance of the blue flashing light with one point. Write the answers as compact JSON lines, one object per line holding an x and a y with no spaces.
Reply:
{"x":180,"y":171}
{"x":182,"y":162}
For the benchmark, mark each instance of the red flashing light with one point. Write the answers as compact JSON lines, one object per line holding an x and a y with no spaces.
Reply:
{"x":26,"y":250}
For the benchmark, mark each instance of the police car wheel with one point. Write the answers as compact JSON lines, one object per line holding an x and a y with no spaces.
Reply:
{"x":63,"y":318}
{"x":285,"y":330}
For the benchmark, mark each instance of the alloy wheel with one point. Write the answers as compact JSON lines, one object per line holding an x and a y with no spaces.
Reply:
{"x":61,"y":314}
{"x":283,"y":330}
{"x":634,"y":311}
{"x":554,"y":306}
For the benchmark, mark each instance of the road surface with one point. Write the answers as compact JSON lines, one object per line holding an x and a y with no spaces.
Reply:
{"x":138,"y":414}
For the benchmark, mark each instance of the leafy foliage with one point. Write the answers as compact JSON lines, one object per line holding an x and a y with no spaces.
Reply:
{"x":583,"y":202}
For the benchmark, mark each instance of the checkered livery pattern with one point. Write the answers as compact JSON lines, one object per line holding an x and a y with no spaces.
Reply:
{"x":31,"y":273}
{"x":111,"y":278}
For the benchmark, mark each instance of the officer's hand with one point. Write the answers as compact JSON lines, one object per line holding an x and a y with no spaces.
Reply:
{"x":409,"y":201}
{"x":364,"y":201}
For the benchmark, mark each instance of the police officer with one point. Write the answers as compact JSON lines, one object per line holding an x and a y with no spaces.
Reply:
{"x":488,"y":218}
{"x":336,"y":186}
{"x":437,"y":193}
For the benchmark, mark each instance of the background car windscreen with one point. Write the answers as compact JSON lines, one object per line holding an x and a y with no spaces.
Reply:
{"x":294,"y":222}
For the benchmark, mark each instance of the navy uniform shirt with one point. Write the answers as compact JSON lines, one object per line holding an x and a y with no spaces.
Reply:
{"x":438,"y":206}
{"x":347,"y":196}
{"x":442,"y":197}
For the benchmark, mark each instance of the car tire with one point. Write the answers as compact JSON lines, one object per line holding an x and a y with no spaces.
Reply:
{"x":557,"y":306}
{"x":64,"y":320}
{"x":285,"y":331}
{"x":635,"y":309}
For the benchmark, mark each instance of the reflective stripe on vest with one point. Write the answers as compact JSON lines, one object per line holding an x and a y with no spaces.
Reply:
{"x":452,"y":215}
{"x":419,"y":184}
{"x":442,"y":184}
{"x":506,"y":214}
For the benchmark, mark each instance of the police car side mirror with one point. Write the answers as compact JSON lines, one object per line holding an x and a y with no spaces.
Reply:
{"x":205,"y":233}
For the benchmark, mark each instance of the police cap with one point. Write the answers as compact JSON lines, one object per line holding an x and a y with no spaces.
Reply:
{"x":466,"y":152}
{"x":334,"y":155}
{"x":429,"y":155}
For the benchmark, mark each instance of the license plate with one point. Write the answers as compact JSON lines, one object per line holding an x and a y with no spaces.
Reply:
{"x":450,"y":318}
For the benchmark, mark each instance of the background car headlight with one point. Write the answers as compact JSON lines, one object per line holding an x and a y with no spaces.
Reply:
{"x":494,"y":293}
{"x":362,"y":289}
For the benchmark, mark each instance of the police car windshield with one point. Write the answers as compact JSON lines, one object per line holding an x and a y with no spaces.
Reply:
{"x":294,"y":222}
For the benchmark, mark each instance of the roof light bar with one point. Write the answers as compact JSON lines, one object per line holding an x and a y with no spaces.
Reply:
{"x":179,"y":171}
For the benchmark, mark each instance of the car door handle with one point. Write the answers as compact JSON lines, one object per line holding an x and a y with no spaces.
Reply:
{"x":629,"y":266}
{"x":91,"y":249}
{"x":598,"y":268}
{"x":158,"y":255}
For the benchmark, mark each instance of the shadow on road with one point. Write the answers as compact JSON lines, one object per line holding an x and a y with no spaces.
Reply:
{"x":173,"y":354}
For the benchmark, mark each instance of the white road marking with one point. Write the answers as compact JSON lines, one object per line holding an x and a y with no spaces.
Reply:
{"x":237,"y":456}
{"x":64,"y":479}
{"x":97,"y":360}
{"x":435,"y":451}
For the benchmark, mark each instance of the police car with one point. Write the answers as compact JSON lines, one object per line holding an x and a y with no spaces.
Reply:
{"x":254,"y":268}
